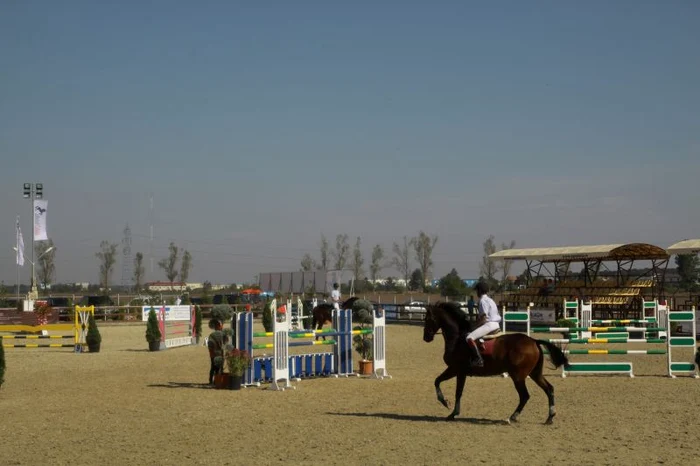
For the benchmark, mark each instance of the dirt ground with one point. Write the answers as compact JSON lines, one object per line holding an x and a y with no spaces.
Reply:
{"x":128,"y":406}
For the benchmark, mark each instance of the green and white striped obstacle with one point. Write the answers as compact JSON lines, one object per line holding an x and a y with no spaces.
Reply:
{"x":682,"y":367}
{"x":674,"y":366}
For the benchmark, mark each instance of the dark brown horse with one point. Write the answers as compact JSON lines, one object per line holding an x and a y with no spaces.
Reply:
{"x":324,"y":313}
{"x":516,"y":354}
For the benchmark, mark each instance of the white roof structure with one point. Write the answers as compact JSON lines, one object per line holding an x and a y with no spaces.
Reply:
{"x":640,"y":251}
{"x":688,"y":246}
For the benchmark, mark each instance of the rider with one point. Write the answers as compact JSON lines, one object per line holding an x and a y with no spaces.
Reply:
{"x":216,"y":343}
{"x":487,"y":322}
{"x":335,"y":296}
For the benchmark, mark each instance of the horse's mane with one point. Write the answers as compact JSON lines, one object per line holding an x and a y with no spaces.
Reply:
{"x":455,"y":313}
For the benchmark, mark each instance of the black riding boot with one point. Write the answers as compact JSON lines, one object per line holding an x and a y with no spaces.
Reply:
{"x":477,"y":360}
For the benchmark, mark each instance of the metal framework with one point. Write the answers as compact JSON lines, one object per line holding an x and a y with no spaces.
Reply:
{"x":594,"y":258}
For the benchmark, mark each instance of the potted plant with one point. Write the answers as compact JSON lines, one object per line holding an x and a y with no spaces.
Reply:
{"x":221,"y":380}
{"x":93,"y":337}
{"x":237,"y":361}
{"x":364,"y":342}
{"x":42,"y":312}
{"x":153,"y":334}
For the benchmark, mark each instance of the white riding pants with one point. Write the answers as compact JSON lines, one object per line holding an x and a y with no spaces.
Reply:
{"x":484,"y":330}
{"x":336,"y":306}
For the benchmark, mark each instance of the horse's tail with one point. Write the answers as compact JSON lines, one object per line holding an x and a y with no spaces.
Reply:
{"x":556,"y":355}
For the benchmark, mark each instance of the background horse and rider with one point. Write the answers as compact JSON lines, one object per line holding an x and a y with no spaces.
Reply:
{"x":514,"y":354}
{"x":323,"y":313}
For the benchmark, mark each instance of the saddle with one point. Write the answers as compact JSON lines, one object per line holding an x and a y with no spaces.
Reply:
{"x":485,"y":343}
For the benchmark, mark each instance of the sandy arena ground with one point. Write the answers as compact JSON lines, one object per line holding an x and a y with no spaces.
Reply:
{"x":128,"y":406}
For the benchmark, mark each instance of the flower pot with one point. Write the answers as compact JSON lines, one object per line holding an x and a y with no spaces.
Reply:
{"x":366,"y":367}
{"x":221,"y":381}
{"x":235,"y":382}
{"x":153,"y":345}
{"x":94,"y":347}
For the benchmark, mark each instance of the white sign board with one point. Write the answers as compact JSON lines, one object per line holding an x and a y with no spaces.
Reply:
{"x":172,"y":313}
{"x":542,"y":316}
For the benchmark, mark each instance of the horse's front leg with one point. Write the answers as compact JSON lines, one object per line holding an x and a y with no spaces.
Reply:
{"x":461,"y":379}
{"x":446,"y":375}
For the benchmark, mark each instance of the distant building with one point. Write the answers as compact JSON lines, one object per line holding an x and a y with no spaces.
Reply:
{"x":166,"y":286}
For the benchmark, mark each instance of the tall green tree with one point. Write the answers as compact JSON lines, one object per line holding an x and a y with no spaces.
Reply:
{"x":424,"y":245}
{"x":325,"y":253}
{"x":358,"y":261}
{"x":185,"y":266}
{"x":46,"y":261}
{"x":488,"y":267}
{"x":402,"y":258}
{"x":108,"y":257}
{"x":139,"y":271}
{"x":416,"y":282}
{"x":307,"y":263}
{"x":688,"y":267}
{"x":376,"y":265}
{"x":451,"y":285}
{"x":341,"y":252}
{"x":169,"y":264}
{"x":505,"y":267}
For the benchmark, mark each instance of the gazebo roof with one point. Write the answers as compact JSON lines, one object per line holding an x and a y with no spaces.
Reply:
{"x":688,"y":246}
{"x":631,"y":251}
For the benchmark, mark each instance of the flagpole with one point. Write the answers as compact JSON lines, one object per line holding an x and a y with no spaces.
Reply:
{"x":17,"y":255}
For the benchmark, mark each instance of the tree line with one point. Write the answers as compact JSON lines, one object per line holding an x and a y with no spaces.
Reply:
{"x":342,"y":256}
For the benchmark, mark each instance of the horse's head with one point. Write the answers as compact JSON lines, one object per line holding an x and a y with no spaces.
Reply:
{"x":445,"y":316}
{"x":431,"y":325}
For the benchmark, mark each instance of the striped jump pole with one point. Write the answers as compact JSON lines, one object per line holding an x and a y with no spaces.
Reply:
{"x":595,"y":329}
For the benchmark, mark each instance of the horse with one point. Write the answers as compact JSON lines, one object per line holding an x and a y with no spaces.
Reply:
{"x":516,"y":354}
{"x":324,"y":313}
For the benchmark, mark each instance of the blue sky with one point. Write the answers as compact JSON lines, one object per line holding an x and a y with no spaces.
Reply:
{"x":259,"y":127}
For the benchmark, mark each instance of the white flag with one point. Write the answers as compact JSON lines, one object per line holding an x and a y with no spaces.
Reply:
{"x":40,"y":220}
{"x":20,"y":245}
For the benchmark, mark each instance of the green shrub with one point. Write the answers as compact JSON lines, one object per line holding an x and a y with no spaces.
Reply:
{"x":93,"y":336}
{"x":152,"y":330}
{"x":565,"y":323}
{"x":267,"y":316}
{"x":222,"y":313}
{"x":362,"y":311}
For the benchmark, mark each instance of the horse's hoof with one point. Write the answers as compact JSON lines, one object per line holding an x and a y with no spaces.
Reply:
{"x":507,"y":421}
{"x":549,"y":421}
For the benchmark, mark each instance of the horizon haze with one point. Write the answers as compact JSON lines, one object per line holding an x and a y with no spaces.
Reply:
{"x":257,"y":128}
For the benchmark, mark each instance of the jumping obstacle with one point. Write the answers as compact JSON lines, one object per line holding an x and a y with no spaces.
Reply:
{"x":297,"y":315}
{"x":653,"y":313}
{"x":604,"y":367}
{"x":280,"y":368}
{"x":682,"y":367}
{"x":176,"y":325}
{"x":78,"y":333}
